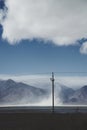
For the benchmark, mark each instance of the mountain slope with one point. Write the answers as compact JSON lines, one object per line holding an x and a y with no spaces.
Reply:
{"x":12,"y":92}
{"x":69,"y":96}
{"x":63,"y":92}
{"x":18,"y":93}
{"x":79,"y":97}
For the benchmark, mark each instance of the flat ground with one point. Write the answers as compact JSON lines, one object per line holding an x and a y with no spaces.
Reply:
{"x":43,"y":121}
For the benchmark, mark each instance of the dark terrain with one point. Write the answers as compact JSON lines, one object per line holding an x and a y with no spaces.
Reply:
{"x":43,"y":121}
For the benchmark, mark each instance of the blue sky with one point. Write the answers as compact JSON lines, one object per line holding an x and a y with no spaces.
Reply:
{"x":38,"y":56}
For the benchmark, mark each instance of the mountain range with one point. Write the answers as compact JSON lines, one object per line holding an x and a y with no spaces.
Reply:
{"x":16,"y":93}
{"x":79,"y":96}
{"x":74,"y":97}
{"x":12,"y":92}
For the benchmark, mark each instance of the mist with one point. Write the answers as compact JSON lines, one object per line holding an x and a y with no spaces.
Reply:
{"x":63,"y":85}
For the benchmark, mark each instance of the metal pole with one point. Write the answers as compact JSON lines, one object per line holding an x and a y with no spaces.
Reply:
{"x":52,"y":79}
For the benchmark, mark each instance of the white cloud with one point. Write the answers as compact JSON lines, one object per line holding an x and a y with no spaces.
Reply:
{"x":61,"y":21}
{"x":83,"y":48}
{"x":2,"y":13}
{"x":0,"y":16}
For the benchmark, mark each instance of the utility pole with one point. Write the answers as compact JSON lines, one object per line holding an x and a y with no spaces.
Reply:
{"x":52,"y":79}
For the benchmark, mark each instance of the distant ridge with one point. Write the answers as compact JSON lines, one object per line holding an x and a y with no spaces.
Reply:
{"x":12,"y":92}
{"x":79,"y":96}
{"x":70,"y":96}
{"x":18,"y":93}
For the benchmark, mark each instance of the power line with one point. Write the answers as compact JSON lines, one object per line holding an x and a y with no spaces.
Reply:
{"x":63,"y":72}
{"x":70,"y":72}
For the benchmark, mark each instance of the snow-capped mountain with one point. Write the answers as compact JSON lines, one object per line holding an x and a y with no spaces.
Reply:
{"x":12,"y":92}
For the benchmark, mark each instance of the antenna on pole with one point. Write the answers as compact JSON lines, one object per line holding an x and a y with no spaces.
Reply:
{"x":52,"y":79}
